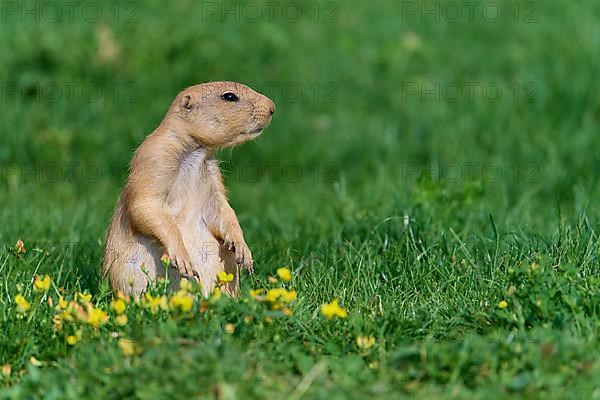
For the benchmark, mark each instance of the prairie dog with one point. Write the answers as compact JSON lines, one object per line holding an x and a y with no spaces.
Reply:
{"x":174,"y":201}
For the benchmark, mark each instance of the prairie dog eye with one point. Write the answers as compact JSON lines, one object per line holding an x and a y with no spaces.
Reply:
{"x":229,"y":96}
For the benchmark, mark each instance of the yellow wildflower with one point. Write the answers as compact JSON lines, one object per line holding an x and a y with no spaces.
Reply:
{"x":74,"y":310}
{"x":288,"y":296}
{"x":57,"y":323}
{"x":256,"y":293}
{"x":182,"y":301}
{"x":333,"y":310}
{"x":284,"y":274}
{"x":63,"y":316}
{"x":274,"y":294}
{"x":147,"y":299}
{"x":84,"y":297}
{"x":155,"y":303}
{"x":280,"y":294}
{"x":122,"y":296}
{"x":6,"y":370}
{"x":22,"y":304}
{"x":96,"y":317}
{"x":216,"y":295}
{"x":128,"y":347}
{"x":365,"y":342}
{"x":42,"y":284}
{"x":224,"y":277}
{"x":62,"y":303}
{"x":72,"y":340}
{"x":165,"y":260}
{"x":229,"y":328}
{"x":118,"y":306}
{"x":20,"y":247}
{"x":121,"y":320}
{"x":502,"y":304}
{"x":184,"y":284}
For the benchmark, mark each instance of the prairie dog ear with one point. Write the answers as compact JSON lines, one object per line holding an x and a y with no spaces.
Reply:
{"x":187,"y":103}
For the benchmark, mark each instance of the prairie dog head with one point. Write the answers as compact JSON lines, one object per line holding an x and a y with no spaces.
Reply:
{"x":221,"y":114}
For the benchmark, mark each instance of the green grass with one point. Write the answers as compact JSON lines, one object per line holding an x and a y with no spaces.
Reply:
{"x":419,"y":259}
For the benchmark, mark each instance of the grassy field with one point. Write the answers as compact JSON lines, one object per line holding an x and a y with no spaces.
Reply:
{"x":437,"y":172}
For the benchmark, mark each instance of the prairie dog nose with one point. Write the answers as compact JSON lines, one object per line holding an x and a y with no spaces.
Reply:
{"x":271,"y":107}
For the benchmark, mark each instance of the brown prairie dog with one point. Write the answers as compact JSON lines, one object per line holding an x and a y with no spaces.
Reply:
{"x":174,"y":201}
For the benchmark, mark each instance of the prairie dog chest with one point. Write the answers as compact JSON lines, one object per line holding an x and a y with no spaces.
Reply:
{"x":193,"y":184}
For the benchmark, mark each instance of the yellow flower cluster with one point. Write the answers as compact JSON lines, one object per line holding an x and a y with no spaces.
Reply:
{"x":215,"y":295}
{"x":74,"y":313}
{"x":42,"y":284}
{"x":365,"y":342}
{"x":186,"y":285}
{"x":119,"y":306}
{"x":333,"y":309}
{"x":182,"y":301}
{"x":224,"y":277}
{"x":280,"y":295}
{"x":284,"y":274}
{"x":165,"y":260}
{"x":154,"y":304}
{"x":81,"y":310}
{"x":85,"y":297}
{"x":128,"y":347}
{"x":277,"y":298}
{"x":22,"y":304}
{"x":72,"y":340}
{"x":96,"y":317}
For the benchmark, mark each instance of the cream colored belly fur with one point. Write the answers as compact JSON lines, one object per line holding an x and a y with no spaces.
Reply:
{"x":188,"y":208}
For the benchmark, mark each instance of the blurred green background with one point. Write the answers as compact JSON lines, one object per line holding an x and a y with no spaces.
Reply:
{"x":88,"y":92}
{"x":459,"y":120}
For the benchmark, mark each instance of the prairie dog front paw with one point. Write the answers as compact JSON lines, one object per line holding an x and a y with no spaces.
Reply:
{"x":181,"y":261}
{"x":243,"y":256}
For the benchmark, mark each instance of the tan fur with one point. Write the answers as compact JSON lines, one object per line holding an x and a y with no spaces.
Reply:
{"x":174,"y":201}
